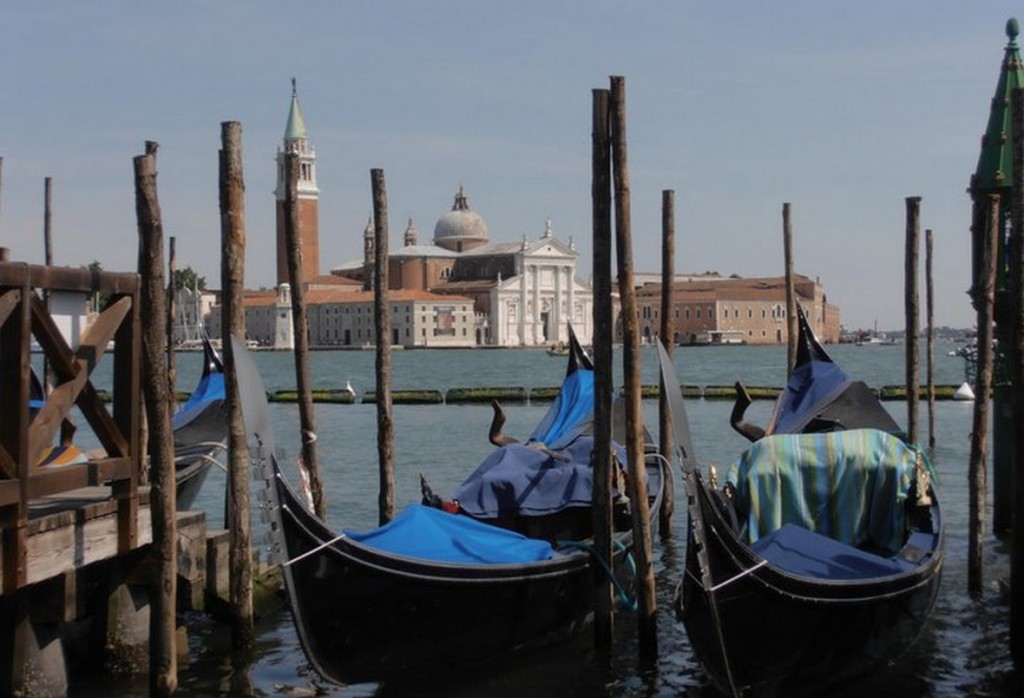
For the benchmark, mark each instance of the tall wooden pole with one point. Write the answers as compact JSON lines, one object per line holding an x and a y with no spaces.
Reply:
{"x":601,"y":194}
{"x":984,"y":301}
{"x":912,"y":314}
{"x":667,"y":332}
{"x":930,"y":320}
{"x":300,"y":324}
{"x":47,"y":258}
{"x":232,"y":279}
{"x":642,"y":547}
{"x":163,"y":504}
{"x":792,"y":327}
{"x":1016,"y":246}
{"x":382,"y":324}
{"x":172,"y":368}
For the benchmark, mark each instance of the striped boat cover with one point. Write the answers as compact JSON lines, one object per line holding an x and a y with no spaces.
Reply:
{"x":847,"y":485}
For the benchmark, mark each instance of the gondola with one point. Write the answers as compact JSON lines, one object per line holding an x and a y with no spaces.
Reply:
{"x":200,"y":429}
{"x":819,"y":560}
{"x":434,"y":592}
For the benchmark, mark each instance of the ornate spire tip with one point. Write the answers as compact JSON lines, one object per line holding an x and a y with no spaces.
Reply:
{"x":1012,"y":28}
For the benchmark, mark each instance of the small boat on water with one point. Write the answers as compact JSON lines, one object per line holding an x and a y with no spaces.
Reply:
{"x":435,"y":590}
{"x":819,"y":560}
{"x":200,"y":429}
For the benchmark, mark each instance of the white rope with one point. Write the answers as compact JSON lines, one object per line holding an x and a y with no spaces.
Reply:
{"x":317,"y":549}
{"x":744,"y":573}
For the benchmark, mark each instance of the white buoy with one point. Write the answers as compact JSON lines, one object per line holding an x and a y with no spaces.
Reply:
{"x":964,"y":392}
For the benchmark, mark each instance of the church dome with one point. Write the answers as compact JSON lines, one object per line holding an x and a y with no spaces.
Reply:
{"x":460,"y":228}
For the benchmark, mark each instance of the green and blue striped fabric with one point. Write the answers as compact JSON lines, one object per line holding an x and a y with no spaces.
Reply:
{"x":848,"y":485}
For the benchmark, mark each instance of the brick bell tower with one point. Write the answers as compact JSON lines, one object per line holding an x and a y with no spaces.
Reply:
{"x":297,"y":141}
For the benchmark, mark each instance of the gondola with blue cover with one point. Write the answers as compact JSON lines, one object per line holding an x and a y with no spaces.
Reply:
{"x":819,"y":560}
{"x":435,"y":590}
{"x":200,"y":429}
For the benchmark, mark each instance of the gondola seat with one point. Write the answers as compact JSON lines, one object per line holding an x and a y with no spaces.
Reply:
{"x":805,"y":553}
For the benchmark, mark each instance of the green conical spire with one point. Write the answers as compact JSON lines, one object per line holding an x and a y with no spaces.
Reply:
{"x":296,"y":128}
{"x":995,"y":164}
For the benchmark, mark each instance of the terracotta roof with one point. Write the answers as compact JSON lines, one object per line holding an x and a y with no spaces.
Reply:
{"x":333,"y":280}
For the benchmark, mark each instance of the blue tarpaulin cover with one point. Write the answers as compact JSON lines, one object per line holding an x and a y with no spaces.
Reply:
{"x":570,"y":415}
{"x":518,"y":479}
{"x":812,"y":386}
{"x":431,"y":534}
{"x":847,"y":485}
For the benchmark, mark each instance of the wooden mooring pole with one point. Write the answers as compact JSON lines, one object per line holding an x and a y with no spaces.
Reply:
{"x":382,"y":324}
{"x":984,"y":301}
{"x":642,"y":546}
{"x":1016,"y":357}
{"x":300,"y":325}
{"x":172,"y":367}
{"x":792,"y":327}
{"x":930,"y":320}
{"x":163,"y":499}
{"x":232,"y":279}
{"x":668,"y":275}
{"x":912,"y":315}
{"x":601,"y":195}
{"x":47,"y":258}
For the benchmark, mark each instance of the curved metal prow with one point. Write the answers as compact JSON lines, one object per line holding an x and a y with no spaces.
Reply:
{"x":750,"y":431}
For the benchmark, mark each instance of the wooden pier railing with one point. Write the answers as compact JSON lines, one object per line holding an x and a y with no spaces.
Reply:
{"x":23,"y":440}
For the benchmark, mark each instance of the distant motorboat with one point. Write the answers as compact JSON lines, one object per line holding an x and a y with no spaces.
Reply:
{"x":964,"y":392}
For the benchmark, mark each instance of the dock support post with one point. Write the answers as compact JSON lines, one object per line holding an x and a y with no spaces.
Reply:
{"x":163,"y":496}
{"x":382,"y":326}
{"x":912,"y":315}
{"x":642,"y":546}
{"x":601,"y":193}
{"x":668,"y":275}
{"x":232,"y":273}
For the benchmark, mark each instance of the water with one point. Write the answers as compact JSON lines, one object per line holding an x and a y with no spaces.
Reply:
{"x":964,"y":649}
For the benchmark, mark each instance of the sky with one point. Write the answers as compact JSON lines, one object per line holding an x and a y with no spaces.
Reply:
{"x":842,"y":109}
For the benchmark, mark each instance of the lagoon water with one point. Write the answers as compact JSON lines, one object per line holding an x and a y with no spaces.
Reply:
{"x":964,"y":649}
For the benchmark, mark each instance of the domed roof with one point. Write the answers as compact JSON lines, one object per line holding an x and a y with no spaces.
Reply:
{"x":460,"y":223}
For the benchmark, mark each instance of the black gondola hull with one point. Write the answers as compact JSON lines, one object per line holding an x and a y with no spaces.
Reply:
{"x":782,"y":632}
{"x":365,"y":615}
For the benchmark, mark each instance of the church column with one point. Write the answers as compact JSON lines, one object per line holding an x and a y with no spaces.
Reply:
{"x":522,"y":303}
{"x":559,"y":321}
{"x":538,"y":330}
{"x":571,"y":303}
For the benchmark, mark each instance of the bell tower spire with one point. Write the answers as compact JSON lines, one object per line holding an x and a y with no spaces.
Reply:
{"x":296,"y":140}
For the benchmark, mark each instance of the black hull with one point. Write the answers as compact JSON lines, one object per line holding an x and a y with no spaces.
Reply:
{"x":196,"y":445}
{"x":782,"y":633}
{"x":364,"y":615}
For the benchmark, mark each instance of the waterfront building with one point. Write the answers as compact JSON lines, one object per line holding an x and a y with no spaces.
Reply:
{"x":713,"y":309}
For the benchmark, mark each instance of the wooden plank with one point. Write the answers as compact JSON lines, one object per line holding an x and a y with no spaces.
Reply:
{"x":71,"y":279}
{"x":9,"y":492}
{"x":8,"y":302}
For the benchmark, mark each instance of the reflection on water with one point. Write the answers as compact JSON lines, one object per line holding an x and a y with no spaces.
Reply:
{"x":963,"y":650}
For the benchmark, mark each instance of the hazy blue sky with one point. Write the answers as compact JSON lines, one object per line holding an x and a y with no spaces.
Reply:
{"x":842,"y":109}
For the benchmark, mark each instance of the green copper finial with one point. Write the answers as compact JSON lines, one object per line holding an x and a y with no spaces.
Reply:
{"x":1012,"y":29}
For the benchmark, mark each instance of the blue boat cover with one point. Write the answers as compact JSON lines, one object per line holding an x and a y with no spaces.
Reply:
{"x":571,"y":414}
{"x":426,"y":533}
{"x":848,"y":485}
{"x":210,"y":388}
{"x":811,"y":387}
{"x":519,"y":479}
{"x":809,"y":554}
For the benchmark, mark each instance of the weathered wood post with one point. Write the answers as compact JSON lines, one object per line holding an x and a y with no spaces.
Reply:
{"x":984,"y":301}
{"x":300,"y":324}
{"x":47,"y":258}
{"x":172,"y":368}
{"x":232,"y":279}
{"x":930,"y":319}
{"x":601,"y":195}
{"x":792,"y":327}
{"x":1016,"y":245}
{"x":382,"y":325}
{"x":668,"y":275}
{"x":637,"y":485}
{"x":912,"y":315}
{"x":163,"y":497}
